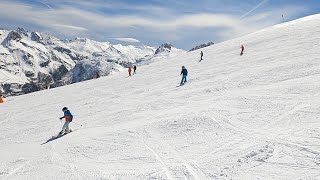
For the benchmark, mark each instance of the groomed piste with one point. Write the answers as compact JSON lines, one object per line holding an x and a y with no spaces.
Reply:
{"x":255,"y":116}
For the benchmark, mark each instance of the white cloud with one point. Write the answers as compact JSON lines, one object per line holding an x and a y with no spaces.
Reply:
{"x":74,"y":28}
{"x":67,"y":20}
{"x":131,"y":40}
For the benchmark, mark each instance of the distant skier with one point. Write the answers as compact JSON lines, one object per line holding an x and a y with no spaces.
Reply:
{"x":129,"y":71}
{"x":134,"y":69}
{"x":1,"y":100}
{"x":201,"y":55}
{"x":242,"y":49}
{"x":68,"y":117}
{"x":97,"y":75}
{"x":184,"y":73}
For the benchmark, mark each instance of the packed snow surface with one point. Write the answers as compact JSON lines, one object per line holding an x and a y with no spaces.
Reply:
{"x":255,"y":116}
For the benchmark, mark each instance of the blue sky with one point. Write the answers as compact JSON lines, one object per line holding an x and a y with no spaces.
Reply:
{"x":184,"y":23}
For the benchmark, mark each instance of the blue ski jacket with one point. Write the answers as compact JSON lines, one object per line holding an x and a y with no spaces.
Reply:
{"x":184,"y":72}
{"x":68,"y":116}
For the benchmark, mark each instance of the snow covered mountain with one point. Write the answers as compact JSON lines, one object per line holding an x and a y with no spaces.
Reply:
{"x":202,"y":46}
{"x":31,"y":61}
{"x":246,"y":117}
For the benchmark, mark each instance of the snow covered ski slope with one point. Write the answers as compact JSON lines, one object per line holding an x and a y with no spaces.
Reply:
{"x":255,"y":116}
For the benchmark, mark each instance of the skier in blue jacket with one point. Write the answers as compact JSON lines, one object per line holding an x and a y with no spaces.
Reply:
{"x":68,"y":116}
{"x":184,"y":73}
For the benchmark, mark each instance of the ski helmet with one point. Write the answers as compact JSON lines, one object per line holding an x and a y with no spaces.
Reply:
{"x":183,"y":67}
{"x":64,"y":109}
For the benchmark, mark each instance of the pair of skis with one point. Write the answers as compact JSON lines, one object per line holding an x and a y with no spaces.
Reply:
{"x":62,"y":134}
{"x":56,"y":137}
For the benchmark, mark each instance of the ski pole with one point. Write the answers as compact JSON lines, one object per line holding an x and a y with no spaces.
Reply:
{"x":77,"y":124}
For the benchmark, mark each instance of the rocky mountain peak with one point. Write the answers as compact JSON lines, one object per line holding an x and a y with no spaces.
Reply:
{"x":33,"y":61}
{"x":202,"y":46}
{"x":166,"y":47}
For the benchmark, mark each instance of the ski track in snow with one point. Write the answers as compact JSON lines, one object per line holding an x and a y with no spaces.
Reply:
{"x":175,"y":156}
{"x":14,"y":171}
{"x":246,"y":117}
{"x":165,"y":168}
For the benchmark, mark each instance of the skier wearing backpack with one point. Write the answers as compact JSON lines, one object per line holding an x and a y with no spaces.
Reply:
{"x":184,"y":73}
{"x":68,"y":117}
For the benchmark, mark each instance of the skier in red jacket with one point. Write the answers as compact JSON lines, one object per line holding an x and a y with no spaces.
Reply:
{"x":129,"y":71}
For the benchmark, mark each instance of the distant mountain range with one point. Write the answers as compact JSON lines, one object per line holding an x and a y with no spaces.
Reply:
{"x":32,"y":61}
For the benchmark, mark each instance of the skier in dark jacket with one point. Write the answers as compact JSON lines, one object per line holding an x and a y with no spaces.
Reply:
{"x":242,"y":49}
{"x":68,"y":116}
{"x":184,"y":73}
{"x":134,"y":69}
{"x":201,"y":55}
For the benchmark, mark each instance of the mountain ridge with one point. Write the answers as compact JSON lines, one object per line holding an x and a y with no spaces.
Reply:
{"x":37,"y":60}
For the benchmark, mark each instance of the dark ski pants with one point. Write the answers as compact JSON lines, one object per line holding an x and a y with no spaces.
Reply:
{"x":184,"y":79}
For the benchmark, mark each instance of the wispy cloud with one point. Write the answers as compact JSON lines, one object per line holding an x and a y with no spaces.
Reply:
{"x":130,"y":40}
{"x":251,"y":10}
{"x":150,"y":23}
{"x":73,"y":28}
{"x":49,"y":7}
